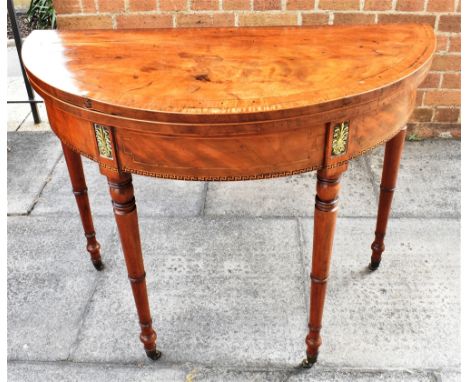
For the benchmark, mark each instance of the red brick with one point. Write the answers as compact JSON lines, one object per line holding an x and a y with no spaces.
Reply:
{"x":144,"y":21}
{"x":353,"y":18}
{"x":442,"y":97}
{"x":89,"y":6}
{"x":455,"y":44}
{"x":142,"y":5}
{"x":449,"y":23}
{"x":205,"y":20}
{"x":343,"y":5}
{"x":315,"y":18}
{"x":449,"y":114}
{"x":432,"y":81}
{"x":173,"y":5}
{"x":267,"y":5}
{"x":236,"y":4}
{"x":378,"y":5}
{"x":451,"y":81}
{"x":406,"y":18}
{"x":259,"y":19}
{"x":410,"y":5}
{"x":442,"y":42}
{"x":113,"y":6}
{"x":444,"y":62}
{"x":300,"y":4}
{"x":422,"y":115}
{"x":205,"y":5}
{"x":441,"y":5}
{"x":420,"y":94}
{"x":63,"y":7}
{"x":84,"y":22}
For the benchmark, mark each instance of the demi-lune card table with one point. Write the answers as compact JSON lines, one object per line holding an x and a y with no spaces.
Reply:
{"x":226,"y":104}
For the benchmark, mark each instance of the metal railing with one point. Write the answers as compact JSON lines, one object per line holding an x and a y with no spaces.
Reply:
{"x":18,"y":42}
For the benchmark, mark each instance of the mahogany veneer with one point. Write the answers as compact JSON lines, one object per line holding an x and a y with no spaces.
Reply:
{"x":229,"y":104}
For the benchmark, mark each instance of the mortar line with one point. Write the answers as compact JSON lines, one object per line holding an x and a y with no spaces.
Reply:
{"x":305,"y":283}
{"x":142,"y":217}
{"x":48,"y":179}
{"x":23,"y":121}
{"x":374,"y":181}
{"x":74,"y":345}
{"x":205,"y":194}
{"x":327,"y":367}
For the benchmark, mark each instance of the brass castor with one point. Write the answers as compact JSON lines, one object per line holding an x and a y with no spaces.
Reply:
{"x":308,"y":362}
{"x":99,"y":265}
{"x":374,"y":265}
{"x":153,"y":354}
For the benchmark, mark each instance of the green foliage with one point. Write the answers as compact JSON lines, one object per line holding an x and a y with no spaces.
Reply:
{"x":413,"y":137}
{"x":41,"y":14}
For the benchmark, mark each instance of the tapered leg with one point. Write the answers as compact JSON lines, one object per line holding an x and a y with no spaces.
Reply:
{"x":326,"y":207}
{"x":75,"y":169}
{"x":121,"y":191}
{"x":393,"y":150}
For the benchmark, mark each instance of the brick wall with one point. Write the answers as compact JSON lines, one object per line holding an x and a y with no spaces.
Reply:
{"x":438,"y":101}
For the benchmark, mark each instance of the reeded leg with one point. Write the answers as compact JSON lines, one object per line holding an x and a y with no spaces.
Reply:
{"x":121,"y":191}
{"x":326,"y":207}
{"x":393,"y":150}
{"x":75,"y":169}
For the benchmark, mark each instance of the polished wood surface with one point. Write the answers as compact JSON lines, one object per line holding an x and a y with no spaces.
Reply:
{"x":230,"y":104}
{"x":223,"y":71}
{"x":80,"y":190}
{"x":393,"y":150}
{"x":289,"y":84}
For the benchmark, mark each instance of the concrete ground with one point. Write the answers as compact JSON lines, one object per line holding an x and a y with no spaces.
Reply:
{"x":227,"y":267}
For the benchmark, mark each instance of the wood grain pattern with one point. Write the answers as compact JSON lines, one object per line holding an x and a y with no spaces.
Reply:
{"x":326,"y":209}
{"x":231,"y":104}
{"x":80,"y":190}
{"x":393,"y":150}
{"x":223,"y":70}
{"x":123,"y":200}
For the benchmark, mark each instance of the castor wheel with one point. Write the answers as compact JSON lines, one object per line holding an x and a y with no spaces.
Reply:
{"x":99,"y":265}
{"x":374,"y":265}
{"x":308,"y":362}
{"x":153,"y":354}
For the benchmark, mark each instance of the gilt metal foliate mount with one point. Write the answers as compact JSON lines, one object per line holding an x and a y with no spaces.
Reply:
{"x":340,"y":138}
{"x":103,"y":140}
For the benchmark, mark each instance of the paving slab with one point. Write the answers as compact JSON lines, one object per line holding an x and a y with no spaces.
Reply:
{"x":70,"y":371}
{"x":29,"y":125}
{"x":291,"y":196}
{"x":155,"y":197}
{"x":222,"y":292}
{"x":428,"y":180}
{"x":50,"y":280}
{"x":17,"y":114}
{"x":76,"y":372}
{"x":31,"y":159}
{"x":406,"y":314}
{"x":447,"y":376}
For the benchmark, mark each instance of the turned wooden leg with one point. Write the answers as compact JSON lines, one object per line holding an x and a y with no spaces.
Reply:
{"x":393,"y":150}
{"x":121,"y":191}
{"x":75,"y":169}
{"x":326,"y":207}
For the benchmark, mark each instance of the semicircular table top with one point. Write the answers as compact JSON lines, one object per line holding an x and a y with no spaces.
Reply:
{"x":208,"y":71}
